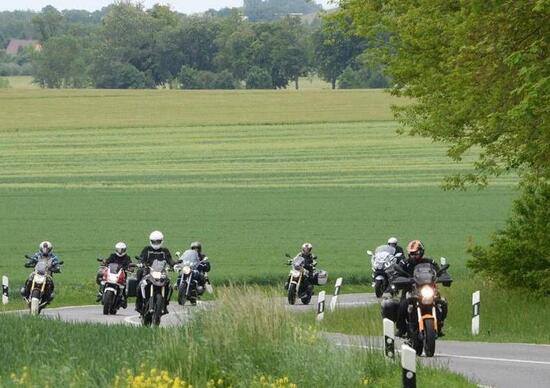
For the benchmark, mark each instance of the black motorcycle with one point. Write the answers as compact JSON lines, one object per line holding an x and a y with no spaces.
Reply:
{"x":190,"y":280}
{"x":41,"y":287}
{"x":423,"y":309}
{"x":155,"y":289}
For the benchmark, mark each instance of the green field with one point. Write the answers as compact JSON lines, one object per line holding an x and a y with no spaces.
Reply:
{"x":250,"y":174}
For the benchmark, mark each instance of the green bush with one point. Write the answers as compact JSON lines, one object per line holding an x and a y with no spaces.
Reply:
{"x":362,"y":78}
{"x":258,"y":78}
{"x":519,"y":255}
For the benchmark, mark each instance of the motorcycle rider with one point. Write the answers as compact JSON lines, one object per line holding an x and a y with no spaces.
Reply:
{"x":120,"y":257}
{"x":204,"y":265}
{"x":415,"y":251}
{"x":45,"y":252}
{"x":394,"y":243}
{"x":150,"y":253}
{"x":310,"y":261}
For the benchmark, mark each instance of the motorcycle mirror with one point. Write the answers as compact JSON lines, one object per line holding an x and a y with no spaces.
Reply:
{"x":28,"y":257}
{"x":61,"y":263}
{"x":178,"y":254}
{"x":443,"y":269}
{"x":287,"y":255}
{"x":398,"y":255}
{"x":99,"y":259}
{"x":369,"y":253}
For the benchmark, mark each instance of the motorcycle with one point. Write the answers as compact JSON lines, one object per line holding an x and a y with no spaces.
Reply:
{"x":113,"y":285}
{"x":42,"y":285}
{"x":155,"y":289}
{"x":301,"y":281}
{"x":190,"y":279}
{"x":422,"y":311}
{"x":382,"y":259}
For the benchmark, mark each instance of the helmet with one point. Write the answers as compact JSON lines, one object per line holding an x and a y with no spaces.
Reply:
{"x":156,"y":238}
{"x":392,"y":241}
{"x":45,"y":247}
{"x":196,"y":245}
{"x":306,"y":248}
{"x":415,"y":249}
{"x":120,"y":249}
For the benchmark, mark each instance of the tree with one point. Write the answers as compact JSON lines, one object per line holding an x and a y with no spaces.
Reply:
{"x":477,"y":79}
{"x":49,"y":22}
{"x":269,"y":10}
{"x":335,"y":47}
{"x":478,"y":73}
{"x":258,"y":78}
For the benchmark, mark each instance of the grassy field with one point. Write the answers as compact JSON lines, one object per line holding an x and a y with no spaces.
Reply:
{"x":251,"y":174}
{"x":247,"y":341}
{"x":21,"y":82}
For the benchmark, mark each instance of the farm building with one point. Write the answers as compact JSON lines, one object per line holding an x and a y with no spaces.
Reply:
{"x":15,"y":44}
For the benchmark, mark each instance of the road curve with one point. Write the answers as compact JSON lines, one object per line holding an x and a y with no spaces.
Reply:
{"x":488,"y":364}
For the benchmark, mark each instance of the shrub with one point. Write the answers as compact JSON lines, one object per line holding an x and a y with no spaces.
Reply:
{"x":258,"y":78}
{"x":191,"y":78}
{"x":362,"y":78}
{"x":519,"y":255}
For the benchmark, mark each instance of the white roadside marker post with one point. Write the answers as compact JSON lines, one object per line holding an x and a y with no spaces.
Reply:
{"x":334,"y":298}
{"x":475,"y":312}
{"x":321,"y":306}
{"x":5,"y":290}
{"x":389,"y":338}
{"x":408,"y":365}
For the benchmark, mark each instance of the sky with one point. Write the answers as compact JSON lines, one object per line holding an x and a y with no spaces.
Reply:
{"x":184,"y":6}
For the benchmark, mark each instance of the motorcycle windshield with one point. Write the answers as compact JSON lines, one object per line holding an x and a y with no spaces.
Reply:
{"x":41,"y":267}
{"x":424,"y":273}
{"x":383,"y":257}
{"x":298,"y":262}
{"x":114,"y":267}
{"x":159,"y":266}
{"x":385,"y":248}
{"x":190,"y":258}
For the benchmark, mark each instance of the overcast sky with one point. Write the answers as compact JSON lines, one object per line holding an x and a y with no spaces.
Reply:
{"x":185,"y":6}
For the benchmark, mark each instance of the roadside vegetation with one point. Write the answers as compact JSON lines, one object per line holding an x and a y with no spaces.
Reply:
{"x":247,"y":340}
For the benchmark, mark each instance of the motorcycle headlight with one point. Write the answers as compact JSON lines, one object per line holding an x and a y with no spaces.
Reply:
{"x":186,"y":270}
{"x":39,"y":278}
{"x":113,"y":278}
{"x":295,"y":273}
{"x":156,"y":274}
{"x":427,"y":293}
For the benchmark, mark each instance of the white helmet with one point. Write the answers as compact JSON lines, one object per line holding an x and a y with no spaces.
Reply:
{"x":392,"y":241}
{"x":45,"y":247}
{"x":156,"y":238}
{"x":306,"y":248}
{"x":120,"y":249}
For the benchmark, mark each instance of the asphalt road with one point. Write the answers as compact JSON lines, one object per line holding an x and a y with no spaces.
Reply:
{"x":487,"y":364}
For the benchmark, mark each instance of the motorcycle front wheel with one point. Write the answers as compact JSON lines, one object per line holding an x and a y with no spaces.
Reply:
{"x":158,"y":309}
{"x":379,"y":288}
{"x":35,"y":302}
{"x":108,"y":302}
{"x":429,"y":338}
{"x":292,"y":294}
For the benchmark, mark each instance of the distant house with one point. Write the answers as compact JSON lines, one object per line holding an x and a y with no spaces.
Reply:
{"x":15,"y":44}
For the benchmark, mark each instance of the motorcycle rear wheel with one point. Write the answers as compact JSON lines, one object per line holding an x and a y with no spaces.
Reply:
{"x":429,"y":338}
{"x":306,"y":299}
{"x":292,"y":294}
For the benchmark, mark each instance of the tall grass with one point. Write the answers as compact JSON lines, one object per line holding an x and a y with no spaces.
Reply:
{"x":246,"y":337}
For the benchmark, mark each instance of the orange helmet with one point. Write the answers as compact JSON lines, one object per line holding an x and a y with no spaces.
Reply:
{"x":415,"y":249}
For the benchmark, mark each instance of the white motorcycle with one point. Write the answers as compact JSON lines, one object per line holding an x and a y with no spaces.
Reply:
{"x":382,"y":260}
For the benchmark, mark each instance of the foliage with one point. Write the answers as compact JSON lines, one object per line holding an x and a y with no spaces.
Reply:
{"x":335,"y":46}
{"x":518,"y":256}
{"x":478,"y":80}
{"x":269,"y":10}
{"x":258,"y":78}
{"x":362,"y":77}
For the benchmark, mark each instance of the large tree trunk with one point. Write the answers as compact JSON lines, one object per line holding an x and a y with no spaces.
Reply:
{"x":296,"y":83}
{"x":333,"y":83}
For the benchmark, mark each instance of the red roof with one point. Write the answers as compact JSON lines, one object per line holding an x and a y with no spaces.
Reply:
{"x":15,"y":44}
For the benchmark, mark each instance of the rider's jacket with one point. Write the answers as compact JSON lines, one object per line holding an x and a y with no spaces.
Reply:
{"x":123,"y":261}
{"x":148,"y":255}
{"x":309,"y":258}
{"x":39,"y":256}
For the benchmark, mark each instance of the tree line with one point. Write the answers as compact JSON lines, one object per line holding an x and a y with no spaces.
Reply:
{"x":128,"y":46}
